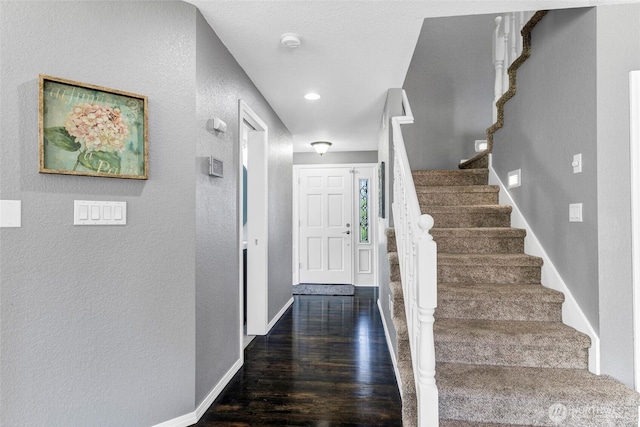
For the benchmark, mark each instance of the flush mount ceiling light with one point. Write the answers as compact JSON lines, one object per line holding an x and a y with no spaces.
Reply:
{"x":321,"y":147}
{"x":312,"y":96}
{"x":290,"y":40}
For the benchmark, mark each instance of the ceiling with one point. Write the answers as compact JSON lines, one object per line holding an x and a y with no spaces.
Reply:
{"x":352,"y":52}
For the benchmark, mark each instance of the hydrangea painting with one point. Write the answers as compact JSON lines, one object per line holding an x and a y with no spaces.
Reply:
{"x":90,"y":130}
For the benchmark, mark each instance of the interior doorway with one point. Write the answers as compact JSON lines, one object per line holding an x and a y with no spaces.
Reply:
{"x":253,"y":232}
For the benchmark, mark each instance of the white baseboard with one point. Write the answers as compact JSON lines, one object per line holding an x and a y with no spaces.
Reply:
{"x":390,"y":346}
{"x":206,"y":403}
{"x":193,"y":417}
{"x":279,"y":315}
{"x":183,"y":421}
{"x":572,"y":314}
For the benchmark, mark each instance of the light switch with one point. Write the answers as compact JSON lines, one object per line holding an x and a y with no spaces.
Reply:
{"x":92,"y":212}
{"x":83,"y":212}
{"x":10,"y":213}
{"x":575,"y":212}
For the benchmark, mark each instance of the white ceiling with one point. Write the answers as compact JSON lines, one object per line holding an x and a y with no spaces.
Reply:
{"x":352,"y":51}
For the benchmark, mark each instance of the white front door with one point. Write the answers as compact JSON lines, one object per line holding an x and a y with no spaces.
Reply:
{"x":326,"y":225}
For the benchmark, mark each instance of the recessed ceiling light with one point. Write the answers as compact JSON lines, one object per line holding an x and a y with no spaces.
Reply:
{"x":312,"y":96}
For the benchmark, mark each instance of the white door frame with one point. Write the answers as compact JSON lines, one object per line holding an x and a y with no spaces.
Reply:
{"x":257,"y":223}
{"x":634,"y":97}
{"x":296,"y":217}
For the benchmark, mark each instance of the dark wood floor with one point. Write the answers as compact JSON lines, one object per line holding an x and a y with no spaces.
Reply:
{"x":325,"y":363}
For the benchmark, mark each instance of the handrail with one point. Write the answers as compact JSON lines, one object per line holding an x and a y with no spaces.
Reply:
{"x":511,"y":91}
{"x":417,"y":256}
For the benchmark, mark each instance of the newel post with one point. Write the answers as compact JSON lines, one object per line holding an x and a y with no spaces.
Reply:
{"x":427,"y":291}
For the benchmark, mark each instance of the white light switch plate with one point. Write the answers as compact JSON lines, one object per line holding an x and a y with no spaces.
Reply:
{"x":10,"y":213}
{"x":91,"y":212}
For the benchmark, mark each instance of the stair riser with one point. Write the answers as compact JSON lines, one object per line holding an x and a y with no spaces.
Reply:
{"x":482,"y":162}
{"x":488,"y":274}
{"x":495,"y":310}
{"x":468,"y":220}
{"x":483,"y":245}
{"x":561,"y":356}
{"x":453,"y":178}
{"x":391,"y":245}
{"x":394,"y":272}
{"x":457,"y":199}
{"x":534,"y":413}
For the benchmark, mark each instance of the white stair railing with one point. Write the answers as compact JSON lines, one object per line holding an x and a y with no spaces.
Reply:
{"x":417,"y":256}
{"x":507,"y":46}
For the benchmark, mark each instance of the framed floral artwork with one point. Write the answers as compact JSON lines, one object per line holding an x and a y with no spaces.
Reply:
{"x":92,"y":130}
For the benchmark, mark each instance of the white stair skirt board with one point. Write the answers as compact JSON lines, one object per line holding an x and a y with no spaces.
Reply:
{"x":572,"y":314}
{"x":323,"y":289}
{"x":394,"y":361}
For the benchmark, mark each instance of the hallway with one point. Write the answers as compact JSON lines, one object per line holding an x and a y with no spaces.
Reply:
{"x":325,"y":363}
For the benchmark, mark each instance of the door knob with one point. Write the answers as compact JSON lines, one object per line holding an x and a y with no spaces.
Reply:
{"x":347,"y":232}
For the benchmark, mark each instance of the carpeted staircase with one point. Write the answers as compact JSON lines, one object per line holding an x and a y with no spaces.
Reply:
{"x":503,"y":355}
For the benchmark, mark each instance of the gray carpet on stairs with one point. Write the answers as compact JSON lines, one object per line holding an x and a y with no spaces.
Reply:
{"x":504,"y":357}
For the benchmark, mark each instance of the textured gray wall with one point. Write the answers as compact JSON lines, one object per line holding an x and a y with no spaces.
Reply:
{"x":618,"y":53}
{"x":111,"y":325}
{"x":335,"y":157}
{"x":450,"y":87}
{"x":98,"y":323}
{"x":551,"y":118}
{"x":221,"y":82}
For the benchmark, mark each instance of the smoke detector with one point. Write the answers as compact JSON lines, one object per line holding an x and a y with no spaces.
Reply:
{"x":290,"y":40}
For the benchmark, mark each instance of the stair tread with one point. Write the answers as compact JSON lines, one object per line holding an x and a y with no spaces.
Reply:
{"x":458,"y":423}
{"x":495,"y":332}
{"x":489,"y":259}
{"x":450,"y":171}
{"x":519,"y":384}
{"x":468,"y":209}
{"x":471,"y":232}
{"x":534,"y":292}
{"x":457,"y":189}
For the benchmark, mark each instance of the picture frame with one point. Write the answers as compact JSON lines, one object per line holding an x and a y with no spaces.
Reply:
{"x":91,"y":130}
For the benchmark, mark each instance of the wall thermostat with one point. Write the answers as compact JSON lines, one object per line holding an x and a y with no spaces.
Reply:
{"x":215,"y":167}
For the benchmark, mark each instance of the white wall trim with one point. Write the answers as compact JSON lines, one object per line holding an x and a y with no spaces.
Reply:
{"x":634,"y":123}
{"x":206,"y":403}
{"x":390,"y":347}
{"x":183,"y":421}
{"x":277,"y":317}
{"x":257,"y":224}
{"x":572,"y":314}
{"x":193,"y":417}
